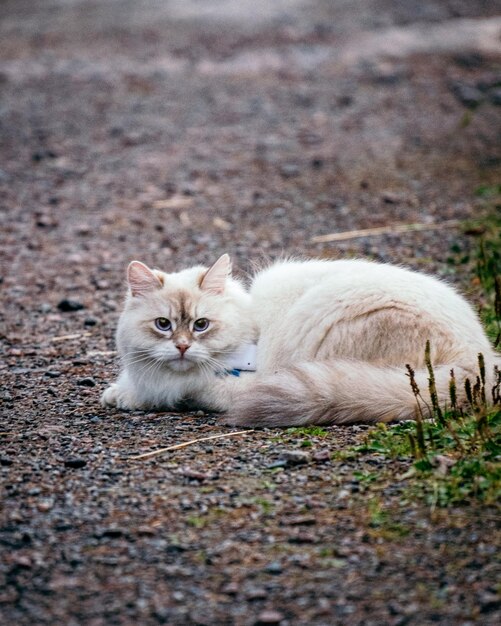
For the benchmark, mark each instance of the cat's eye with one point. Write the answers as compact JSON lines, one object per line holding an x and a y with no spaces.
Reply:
{"x":163,"y":324}
{"x":201,"y":324}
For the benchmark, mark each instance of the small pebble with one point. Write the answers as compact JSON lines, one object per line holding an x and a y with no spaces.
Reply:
{"x":45,"y":505}
{"x":52,"y":373}
{"x":470,"y":96}
{"x":67,"y":305}
{"x":489,"y":602}
{"x":298,"y":520}
{"x":83,"y":230}
{"x":86,"y":382}
{"x":302,"y":537}
{"x":75,"y":463}
{"x":23,"y":561}
{"x":231,"y":589}
{"x":294,"y":457}
{"x":269,"y":616}
{"x":256,"y":593}
{"x":273,"y":568}
{"x":195,"y":475}
{"x":495,"y":96}
{"x":39,"y":155}
{"x":276,"y":465}
{"x":322,"y":456}
{"x":112,"y":532}
{"x":289,"y":170}
{"x":389,"y":197}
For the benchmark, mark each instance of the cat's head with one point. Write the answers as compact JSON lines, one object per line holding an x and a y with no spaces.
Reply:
{"x":183,"y":321}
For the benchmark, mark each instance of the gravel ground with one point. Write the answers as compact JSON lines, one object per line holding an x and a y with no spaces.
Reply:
{"x":173,"y":132}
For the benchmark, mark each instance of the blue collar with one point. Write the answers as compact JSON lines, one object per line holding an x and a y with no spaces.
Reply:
{"x":232,"y":372}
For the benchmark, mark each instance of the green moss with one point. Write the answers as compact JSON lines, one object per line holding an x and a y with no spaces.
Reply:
{"x":267,"y":506}
{"x":488,"y":191}
{"x":308,"y":431}
{"x":460,"y":463}
{"x":381,"y":522}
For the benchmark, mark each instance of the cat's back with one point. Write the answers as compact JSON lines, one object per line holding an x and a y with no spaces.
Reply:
{"x":293,"y":278}
{"x":320,"y":283}
{"x":295,"y":299}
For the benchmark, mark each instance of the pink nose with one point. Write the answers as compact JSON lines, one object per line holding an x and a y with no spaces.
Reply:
{"x":182,"y":347}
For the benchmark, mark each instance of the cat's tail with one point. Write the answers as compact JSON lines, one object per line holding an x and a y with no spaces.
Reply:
{"x":342,"y":392}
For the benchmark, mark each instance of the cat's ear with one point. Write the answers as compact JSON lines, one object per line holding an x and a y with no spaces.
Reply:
{"x":141,"y":279}
{"x":214,"y":280}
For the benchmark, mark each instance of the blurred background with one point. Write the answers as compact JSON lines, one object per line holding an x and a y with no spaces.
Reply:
{"x":173,"y":130}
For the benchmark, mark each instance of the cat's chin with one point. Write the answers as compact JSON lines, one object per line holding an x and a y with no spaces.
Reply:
{"x":181,"y":365}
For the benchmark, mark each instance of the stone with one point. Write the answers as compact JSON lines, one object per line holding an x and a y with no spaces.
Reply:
{"x":75,"y":462}
{"x":269,"y":616}
{"x":295,"y":457}
{"x":86,"y":382}
{"x":470,"y":96}
{"x":67,"y":305}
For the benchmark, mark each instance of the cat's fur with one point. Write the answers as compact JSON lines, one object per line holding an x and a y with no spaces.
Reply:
{"x":333,"y":339}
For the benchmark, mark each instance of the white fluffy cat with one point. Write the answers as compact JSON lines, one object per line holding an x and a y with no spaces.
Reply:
{"x":333,"y":339}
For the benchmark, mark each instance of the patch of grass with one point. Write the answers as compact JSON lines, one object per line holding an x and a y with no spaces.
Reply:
{"x":377,"y":515}
{"x":269,"y":485}
{"x":204,"y":520}
{"x":456,"y":454}
{"x":458,"y":461}
{"x":294,"y":435}
{"x":345,"y":455}
{"x":366,"y":477}
{"x":305,"y":443}
{"x":488,"y":191}
{"x":308,"y":431}
{"x":332,"y":563}
{"x":381,"y":524}
{"x":267,"y":506}
{"x":196,"y":521}
{"x":390,"y":441}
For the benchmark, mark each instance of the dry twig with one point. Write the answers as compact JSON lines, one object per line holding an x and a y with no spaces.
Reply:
{"x":383,"y":230}
{"x":68,"y":337}
{"x":177,"y":446}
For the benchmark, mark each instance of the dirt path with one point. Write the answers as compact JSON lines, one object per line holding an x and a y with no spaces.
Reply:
{"x":173,"y":131}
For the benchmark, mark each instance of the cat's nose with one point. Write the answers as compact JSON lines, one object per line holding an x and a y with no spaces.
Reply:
{"x":182,"y":347}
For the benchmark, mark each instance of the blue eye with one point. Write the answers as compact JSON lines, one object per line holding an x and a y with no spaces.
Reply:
{"x":163,"y":324}
{"x":201,"y":324}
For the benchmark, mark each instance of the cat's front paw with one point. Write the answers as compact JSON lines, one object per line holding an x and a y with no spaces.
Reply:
{"x":116,"y":396}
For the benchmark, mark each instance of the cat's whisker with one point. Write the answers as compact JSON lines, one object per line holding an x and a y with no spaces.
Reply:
{"x":135,"y":355}
{"x":136,"y":351}
{"x":214,"y":365}
{"x":150,"y":371}
{"x":137,"y":360}
{"x":141,"y":365}
{"x":207,"y":371}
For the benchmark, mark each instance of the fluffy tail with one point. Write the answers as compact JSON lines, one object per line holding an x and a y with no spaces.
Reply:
{"x":340,"y":392}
